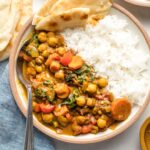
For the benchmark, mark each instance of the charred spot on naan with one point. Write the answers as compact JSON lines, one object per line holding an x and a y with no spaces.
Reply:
{"x":53,"y":24}
{"x":66,"y":17}
{"x":84,"y":16}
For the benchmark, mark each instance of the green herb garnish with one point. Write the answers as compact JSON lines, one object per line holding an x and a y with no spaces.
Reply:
{"x":47,"y":82}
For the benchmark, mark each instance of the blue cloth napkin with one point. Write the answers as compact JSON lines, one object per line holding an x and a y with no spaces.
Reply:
{"x":12,"y":122}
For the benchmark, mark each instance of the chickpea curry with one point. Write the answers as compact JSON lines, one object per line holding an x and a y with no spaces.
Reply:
{"x":67,"y":94}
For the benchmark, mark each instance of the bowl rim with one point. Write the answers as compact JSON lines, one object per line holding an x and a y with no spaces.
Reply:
{"x":138,"y":3}
{"x":49,"y":132}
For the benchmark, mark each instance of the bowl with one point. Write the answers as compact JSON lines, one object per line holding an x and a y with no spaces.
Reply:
{"x":143,"y":3}
{"x":145,"y":135}
{"x":20,"y":96}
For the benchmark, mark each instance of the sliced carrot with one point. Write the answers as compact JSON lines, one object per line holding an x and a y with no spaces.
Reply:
{"x":66,"y":59}
{"x":76,"y":63}
{"x":52,"y":57}
{"x":120,"y":109}
{"x":47,"y":108}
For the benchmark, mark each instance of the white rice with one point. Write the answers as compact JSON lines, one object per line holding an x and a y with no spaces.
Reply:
{"x":113,"y":50}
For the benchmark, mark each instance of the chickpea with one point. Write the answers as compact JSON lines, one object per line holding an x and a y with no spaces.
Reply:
{"x":92,"y":88}
{"x":101,"y":123}
{"x":31,"y":71}
{"x":42,"y":47}
{"x":38,"y":68}
{"x":42,"y":37}
{"x":108,"y":109}
{"x":99,"y":112}
{"x":38,"y":61}
{"x":41,"y":57}
{"x":61,"y":50}
{"x":45,"y":53}
{"x":81,"y":120}
{"x":94,"y":129}
{"x":81,"y":101}
{"x":61,"y":40}
{"x":54,"y":66}
{"x":55,"y":124}
{"x":50,"y":34}
{"x":48,"y":118}
{"x":104,"y":117}
{"x":32,"y":51}
{"x":84,"y":86}
{"x":102,"y":82}
{"x":43,"y":66}
{"x":95,"y":110}
{"x":62,"y":90}
{"x":91,"y":102}
{"x":60,"y":75}
{"x":62,"y":120}
{"x":31,"y":64}
{"x":52,"y":41}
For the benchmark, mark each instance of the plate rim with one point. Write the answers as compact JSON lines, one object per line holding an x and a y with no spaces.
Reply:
{"x":51,"y":133}
{"x":138,"y":3}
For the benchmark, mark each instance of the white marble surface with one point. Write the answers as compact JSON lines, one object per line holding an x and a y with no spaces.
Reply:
{"x":128,"y":140}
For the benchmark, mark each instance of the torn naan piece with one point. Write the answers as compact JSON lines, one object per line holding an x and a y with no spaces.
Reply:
{"x":67,"y":19}
{"x":44,"y":11}
{"x":48,"y":18}
{"x":25,"y":13}
{"x":9,"y":16}
{"x":95,"y":6}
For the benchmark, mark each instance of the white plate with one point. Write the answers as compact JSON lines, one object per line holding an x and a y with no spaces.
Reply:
{"x":20,"y":98}
{"x":144,"y":3}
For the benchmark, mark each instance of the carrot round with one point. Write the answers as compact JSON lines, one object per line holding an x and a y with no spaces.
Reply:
{"x":76,"y":63}
{"x":120,"y":109}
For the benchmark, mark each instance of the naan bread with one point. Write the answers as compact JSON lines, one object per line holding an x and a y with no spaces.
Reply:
{"x":49,"y":16}
{"x":25,"y":13}
{"x":44,"y":11}
{"x":95,"y":6}
{"x":9,"y":16}
{"x":67,"y":19}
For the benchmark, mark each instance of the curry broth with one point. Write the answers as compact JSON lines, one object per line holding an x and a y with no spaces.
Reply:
{"x":67,"y":130}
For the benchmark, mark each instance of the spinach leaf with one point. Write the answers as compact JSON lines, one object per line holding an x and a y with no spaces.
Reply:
{"x":69,"y":77}
{"x":85,"y":69}
{"x":70,"y":101}
{"x":40,"y":93}
{"x":47,"y":82}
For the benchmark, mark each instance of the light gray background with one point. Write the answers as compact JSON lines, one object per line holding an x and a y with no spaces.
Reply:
{"x":128,"y":140}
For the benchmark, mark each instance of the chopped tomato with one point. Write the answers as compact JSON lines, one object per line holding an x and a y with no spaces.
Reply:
{"x":66,"y":59}
{"x":47,"y":108}
{"x":52,"y":57}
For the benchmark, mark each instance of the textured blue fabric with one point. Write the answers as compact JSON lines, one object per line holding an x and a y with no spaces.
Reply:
{"x":12,"y":122}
